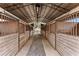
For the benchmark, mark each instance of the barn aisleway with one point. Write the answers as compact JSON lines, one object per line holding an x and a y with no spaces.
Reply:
{"x":39,"y":29}
{"x":39,"y":46}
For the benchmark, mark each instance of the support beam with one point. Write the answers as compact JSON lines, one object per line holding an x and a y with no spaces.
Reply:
{"x":60,"y":7}
{"x":20,"y":6}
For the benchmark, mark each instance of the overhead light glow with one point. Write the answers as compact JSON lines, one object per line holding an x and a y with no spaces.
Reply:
{"x":2,"y":20}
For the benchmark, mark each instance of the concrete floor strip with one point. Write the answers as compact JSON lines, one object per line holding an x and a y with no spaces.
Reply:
{"x":49,"y":50}
{"x":36,"y":48}
{"x":25,"y":49}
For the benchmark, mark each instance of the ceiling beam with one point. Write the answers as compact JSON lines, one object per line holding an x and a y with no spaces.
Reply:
{"x":9,"y":6}
{"x":55,"y":16}
{"x":23,"y":13}
{"x":26,"y":14}
{"x":20,"y":6}
{"x":60,"y":7}
{"x":48,"y":16}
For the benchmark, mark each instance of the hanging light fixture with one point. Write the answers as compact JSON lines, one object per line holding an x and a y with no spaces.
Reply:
{"x":37,"y":10}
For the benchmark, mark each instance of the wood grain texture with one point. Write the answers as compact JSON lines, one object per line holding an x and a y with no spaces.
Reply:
{"x":9,"y":45}
{"x":23,"y":38}
{"x":67,"y":45}
{"x":49,"y":50}
{"x":25,"y":49}
{"x":51,"y":39}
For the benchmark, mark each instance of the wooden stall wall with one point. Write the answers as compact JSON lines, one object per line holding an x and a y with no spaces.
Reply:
{"x":66,"y":34}
{"x":51,"y":34}
{"x":67,"y":45}
{"x":13,"y":36}
{"x":9,"y":45}
{"x":43,"y":30}
{"x":47,"y":30}
{"x":24,"y":35}
{"x":8,"y":36}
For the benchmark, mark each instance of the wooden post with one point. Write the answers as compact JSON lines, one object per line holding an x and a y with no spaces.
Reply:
{"x":71,"y":30}
{"x":29,"y":31}
{"x":76,"y":26}
{"x":55,"y":33}
{"x":73,"y":25}
{"x":45,"y":32}
{"x":49,"y":27}
{"x":18,"y":37}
